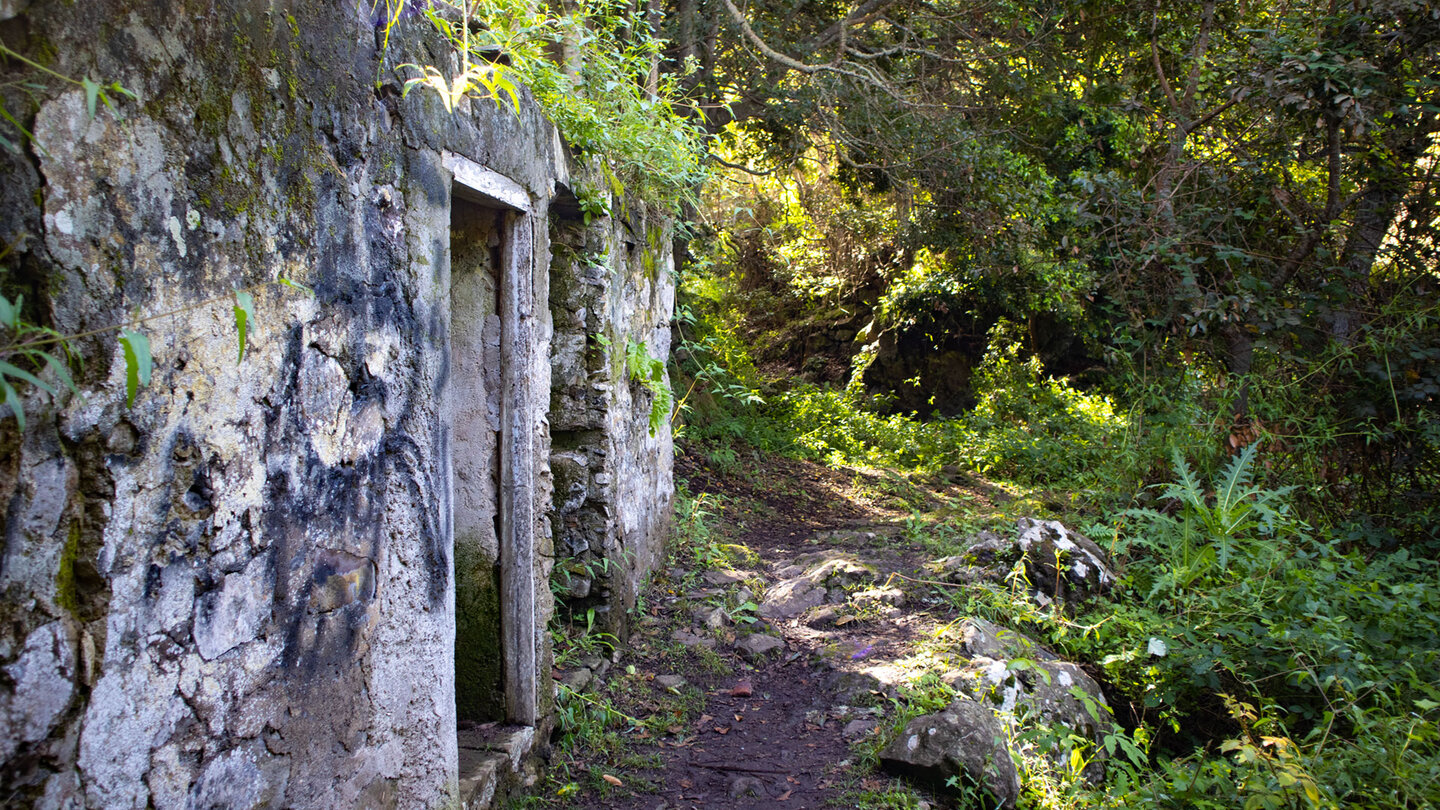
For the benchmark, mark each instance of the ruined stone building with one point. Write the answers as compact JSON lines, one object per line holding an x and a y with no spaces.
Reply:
{"x":320,"y":575}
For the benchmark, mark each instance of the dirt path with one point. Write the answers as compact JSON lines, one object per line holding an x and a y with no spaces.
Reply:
{"x":769,"y":728}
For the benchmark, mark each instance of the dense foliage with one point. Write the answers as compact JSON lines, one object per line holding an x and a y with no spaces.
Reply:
{"x":594,"y":68}
{"x":1157,"y":193}
{"x":1257,"y":654}
{"x":1169,"y":269}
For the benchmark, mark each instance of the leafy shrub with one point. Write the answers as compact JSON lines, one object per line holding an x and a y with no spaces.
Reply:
{"x":1034,"y":428}
{"x":1340,"y":652}
{"x":607,"y":100}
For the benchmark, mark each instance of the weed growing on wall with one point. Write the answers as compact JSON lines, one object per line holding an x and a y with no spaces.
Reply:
{"x":593,"y":68}
{"x":649,"y":372}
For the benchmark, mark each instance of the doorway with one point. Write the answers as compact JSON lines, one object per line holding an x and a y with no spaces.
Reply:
{"x":490,"y":413}
{"x":476,"y":234}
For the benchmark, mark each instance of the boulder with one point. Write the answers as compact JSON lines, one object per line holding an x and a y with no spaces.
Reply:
{"x":822,"y":618}
{"x":709,"y":616}
{"x":824,"y":576}
{"x":1060,"y":562}
{"x":985,"y":550}
{"x":791,"y":597}
{"x":894,"y":597}
{"x":757,"y":645}
{"x":957,"y":569}
{"x":855,"y":729}
{"x":1037,"y":689}
{"x":1067,"y":560}
{"x":965,"y":742}
{"x":721,"y":577}
{"x":855,"y":689}
{"x":980,"y":638}
{"x":837,"y":569}
{"x":577,"y":679}
{"x":1048,"y":692}
{"x":689,"y":639}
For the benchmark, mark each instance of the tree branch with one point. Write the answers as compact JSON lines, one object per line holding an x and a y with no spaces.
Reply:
{"x":727,"y":164}
{"x":770,"y":53}
{"x":1155,"y":58}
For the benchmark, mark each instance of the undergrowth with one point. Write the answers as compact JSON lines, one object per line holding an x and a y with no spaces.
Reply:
{"x":1259,"y":652}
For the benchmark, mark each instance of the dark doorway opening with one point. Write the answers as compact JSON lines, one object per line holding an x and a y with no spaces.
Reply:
{"x":476,"y":254}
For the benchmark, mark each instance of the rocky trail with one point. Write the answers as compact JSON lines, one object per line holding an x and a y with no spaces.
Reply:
{"x":775,"y":669}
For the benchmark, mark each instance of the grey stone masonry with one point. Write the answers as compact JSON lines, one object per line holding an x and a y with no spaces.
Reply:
{"x":612,"y":291}
{"x":308,"y":577}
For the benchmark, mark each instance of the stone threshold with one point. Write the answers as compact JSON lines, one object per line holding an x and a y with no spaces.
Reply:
{"x":491,"y":759}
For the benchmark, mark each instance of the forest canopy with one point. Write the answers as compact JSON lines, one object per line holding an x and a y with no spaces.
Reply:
{"x":1243,"y":192}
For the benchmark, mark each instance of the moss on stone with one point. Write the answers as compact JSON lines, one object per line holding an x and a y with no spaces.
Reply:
{"x":66,"y":595}
{"x":479,"y":657}
{"x":211,"y":117}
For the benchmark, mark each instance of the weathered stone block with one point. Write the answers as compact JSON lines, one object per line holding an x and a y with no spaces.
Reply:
{"x":237,"y":611}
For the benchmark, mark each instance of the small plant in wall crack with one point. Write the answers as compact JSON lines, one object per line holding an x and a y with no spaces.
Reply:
{"x":478,"y":76}
{"x":23,"y":343}
{"x":95,"y":94}
{"x":594,"y":203}
{"x":650,"y":373}
{"x":572,"y":642}
{"x":33,"y":345}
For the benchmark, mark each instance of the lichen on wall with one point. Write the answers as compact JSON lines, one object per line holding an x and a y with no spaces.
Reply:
{"x":611,"y":289}
{"x":241,"y":591}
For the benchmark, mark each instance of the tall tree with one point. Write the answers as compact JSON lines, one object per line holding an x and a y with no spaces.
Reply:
{"x":1252,"y":183}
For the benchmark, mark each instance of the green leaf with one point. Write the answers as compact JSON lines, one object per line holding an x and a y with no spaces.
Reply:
{"x":1019,"y":664}
{"x":509,"y":87}
{"x":60,"y":370}
{"x":24,"y":133}
{"x":10,"y":313}
{"x":122,"y":90}
{"x":9,"y":370}
{"x":137,"y":363}
{"x":13,"y":400}
{"x":92,"y":92}
{"x":295,"y":285}
{"x":244,"y":313}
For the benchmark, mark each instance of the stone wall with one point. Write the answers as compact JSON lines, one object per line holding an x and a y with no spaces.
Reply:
{"x":241,"y":591}
{"x":611,"y":293}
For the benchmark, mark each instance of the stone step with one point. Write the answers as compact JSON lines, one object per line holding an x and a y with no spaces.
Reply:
{"x":490,"y":760}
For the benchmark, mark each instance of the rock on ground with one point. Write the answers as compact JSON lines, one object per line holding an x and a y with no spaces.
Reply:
{"x":1066,"y":557}
{"x":981,"y":638}
{"x":813,"y":580}
{"x":1051,"y":692}
{"x":1061,"y":562}
{"x":756,"y":645}
{"x":966,"y":741}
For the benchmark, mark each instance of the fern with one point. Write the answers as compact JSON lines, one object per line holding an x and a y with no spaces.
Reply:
{"x":1214,"y":534}
{"x":650,"y":373}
